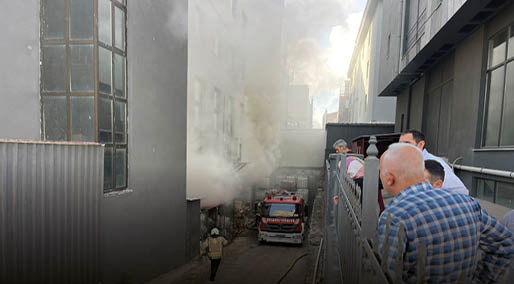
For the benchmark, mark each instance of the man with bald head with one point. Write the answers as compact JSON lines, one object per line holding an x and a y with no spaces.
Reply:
{"x":452,"y":227}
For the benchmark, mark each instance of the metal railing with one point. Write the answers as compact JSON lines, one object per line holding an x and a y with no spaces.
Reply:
{"x":351,"y":238}
{"x":351,"y":225}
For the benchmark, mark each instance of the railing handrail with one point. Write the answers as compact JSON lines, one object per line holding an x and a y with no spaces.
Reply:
{"x":353,"y":222}
{"x":350,"y":209}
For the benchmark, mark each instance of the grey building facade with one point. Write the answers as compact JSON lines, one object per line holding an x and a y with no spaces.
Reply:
{"x":450,"y":65}
{"x":364,"y":72}
{"x":143,"y":216}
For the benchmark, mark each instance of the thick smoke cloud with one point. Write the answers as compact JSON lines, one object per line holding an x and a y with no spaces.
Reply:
{"x":291,"y":46}
{"x":253,"y":48}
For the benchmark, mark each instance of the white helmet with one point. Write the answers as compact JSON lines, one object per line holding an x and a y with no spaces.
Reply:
{"x":215,"y":232}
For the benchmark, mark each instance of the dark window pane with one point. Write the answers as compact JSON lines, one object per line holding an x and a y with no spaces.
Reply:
{"x":497,"y":47}
{"x":108,"y":168}
{"x":495,"y":106}
{"x":511,"y":42}
{"x":508,"y":108}
{"x":104,"y":21}
{"x":119,"y":75}
{"x":53,"y":19}
{"x":104,"y":71}
{"x":82,"y":74}
{"x":104,"y":120}
{"x":82,"y":118}
{"x":54,"y":118}
{"x":121,"y":168}
{"x":485,"y":190}
{"x":119,"y":25}
{"x":53,"y":71}
{"x":505,"y":194}
{"x":81,"y":19}
{"x":120,"y":122}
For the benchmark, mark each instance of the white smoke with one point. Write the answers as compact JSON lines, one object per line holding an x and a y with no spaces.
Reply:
{"x":292,"y":46}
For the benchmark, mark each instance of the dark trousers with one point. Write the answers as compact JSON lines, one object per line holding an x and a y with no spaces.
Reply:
{"x":215,"y":263}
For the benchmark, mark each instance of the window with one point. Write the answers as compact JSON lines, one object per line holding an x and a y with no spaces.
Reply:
{"x":499,"y":107}
{"x":501,"y":193}
{"x":83,"y":78}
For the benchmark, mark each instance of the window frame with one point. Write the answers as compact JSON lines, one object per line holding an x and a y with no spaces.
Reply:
{"x":509,"y":29}
{"x":67,"y":42}
{"x":486,"y":178}
{"x":113,"y":145}
{"x":68,"y":94}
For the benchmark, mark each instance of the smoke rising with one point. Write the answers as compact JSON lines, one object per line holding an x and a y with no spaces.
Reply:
{"x":236,"y":55}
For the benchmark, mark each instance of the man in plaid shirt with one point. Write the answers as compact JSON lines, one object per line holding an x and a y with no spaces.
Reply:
{"x":452,"y":226}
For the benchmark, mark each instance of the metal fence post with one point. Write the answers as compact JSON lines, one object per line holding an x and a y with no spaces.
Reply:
{"x":332,"y":269}
{"x":370,"y":193}
{"x":334,"y":160}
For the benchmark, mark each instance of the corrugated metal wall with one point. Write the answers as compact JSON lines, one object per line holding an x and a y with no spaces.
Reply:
{"x":50,"y":212}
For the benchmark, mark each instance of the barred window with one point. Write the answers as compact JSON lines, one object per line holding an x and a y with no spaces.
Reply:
{"x":83,"y":78}
{"x":499,"y":106}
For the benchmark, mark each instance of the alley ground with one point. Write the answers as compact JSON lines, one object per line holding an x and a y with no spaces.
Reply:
{"x":246,"y":261}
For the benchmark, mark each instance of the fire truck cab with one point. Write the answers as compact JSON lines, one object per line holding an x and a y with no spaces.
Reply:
{"x":283,"y":218}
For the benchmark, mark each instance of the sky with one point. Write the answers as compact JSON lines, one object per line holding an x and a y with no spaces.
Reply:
{"x":321,"y":36}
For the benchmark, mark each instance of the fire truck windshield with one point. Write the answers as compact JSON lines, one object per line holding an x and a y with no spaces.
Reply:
{"x":281,"y":210}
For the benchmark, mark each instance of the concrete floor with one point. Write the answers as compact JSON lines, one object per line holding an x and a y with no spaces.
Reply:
{"x":245,"y":261}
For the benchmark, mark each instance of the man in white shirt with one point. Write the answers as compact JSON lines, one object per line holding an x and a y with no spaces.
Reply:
{"x":451,"y":181}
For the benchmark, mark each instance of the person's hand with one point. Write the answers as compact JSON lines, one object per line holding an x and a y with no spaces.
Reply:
{"x":336,"y":199}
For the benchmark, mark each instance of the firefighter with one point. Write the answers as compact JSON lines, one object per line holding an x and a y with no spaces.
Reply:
{"x":214,"y":246}
{"x":239,"y":221}
{"x":258,"y":214}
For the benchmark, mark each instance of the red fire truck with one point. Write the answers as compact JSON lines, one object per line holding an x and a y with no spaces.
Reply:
{"x":283,"y":218}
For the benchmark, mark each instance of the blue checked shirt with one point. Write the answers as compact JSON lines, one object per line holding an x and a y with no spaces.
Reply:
{"x":454,"y":228}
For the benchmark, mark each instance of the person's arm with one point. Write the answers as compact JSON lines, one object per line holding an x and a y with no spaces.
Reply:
{"x":225,"y":242}
{"x":205,"y":244}
{"x":497,"y":243}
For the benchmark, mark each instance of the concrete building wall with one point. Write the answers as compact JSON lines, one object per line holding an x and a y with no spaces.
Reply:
{"x":382,"y":108}
{"x":144,"y":227}
{"x":446,"y":101}
{"x":215,"y":78}
{"x":402,"y":112}
{"x":302,"y":148}
{"x":299,"y":107}
{"x":19,"y":71}
{"x":390,"y":42}
{"x":417,"y":100}
{"x":437,"y":14}
{"x":364,"y":71}
{"x":467,"y":94}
